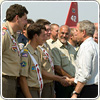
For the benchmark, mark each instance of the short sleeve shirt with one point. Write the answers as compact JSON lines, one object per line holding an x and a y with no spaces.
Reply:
{"x":10,"y":57}
{"x":45,"y":61}
{"x":28,"y":68}
{"x":50,"y":42}
{"x":64,"y":56}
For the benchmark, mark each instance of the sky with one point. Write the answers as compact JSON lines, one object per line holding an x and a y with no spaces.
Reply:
{"x":55,"y":11}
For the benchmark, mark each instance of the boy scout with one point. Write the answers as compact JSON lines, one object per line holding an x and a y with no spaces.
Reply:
{"x":30,"y":81}
{"x":16,"y":18}
{"x":64,"y":54}
{"x":47,"y":67}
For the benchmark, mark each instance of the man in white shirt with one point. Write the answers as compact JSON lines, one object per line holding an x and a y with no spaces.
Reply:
{"x":86,"y":76}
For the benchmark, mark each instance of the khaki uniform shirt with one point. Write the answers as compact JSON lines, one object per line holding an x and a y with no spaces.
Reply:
{"x":10,"y":58}
{"x":28,"y":67}
{"x":64,"y":57}
{"x":50,"y":42}
{"x":45,"y":61}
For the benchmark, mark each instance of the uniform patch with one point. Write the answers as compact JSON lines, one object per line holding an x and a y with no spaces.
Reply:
{"x":14,"y":48}
{"x":33,"y":68}
{"x":26,"y":50}
{"x":23,"y":63}
{"x":3,"y":33}
{"x":24,"y":54}
{"x":45,"y":58}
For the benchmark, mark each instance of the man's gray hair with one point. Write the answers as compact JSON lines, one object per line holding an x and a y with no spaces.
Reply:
{"x":69,"y":30}
{"x":88,"y":26}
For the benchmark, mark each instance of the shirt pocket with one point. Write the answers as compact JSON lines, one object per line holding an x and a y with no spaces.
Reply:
{"x":64,"y":61}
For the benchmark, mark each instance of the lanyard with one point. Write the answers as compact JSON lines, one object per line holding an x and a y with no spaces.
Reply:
{"x":50,"y":60}
{"x":12,"y":40}
{"x":38,"y":72}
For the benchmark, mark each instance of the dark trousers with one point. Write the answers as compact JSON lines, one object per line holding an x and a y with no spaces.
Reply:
{"x":89,"y":91}
{"x":9,"y":86}
{"x":35,"y":92}
{"x":63,"y":92}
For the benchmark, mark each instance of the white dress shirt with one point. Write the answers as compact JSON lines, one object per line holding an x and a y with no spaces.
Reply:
{"x":87,"y":63}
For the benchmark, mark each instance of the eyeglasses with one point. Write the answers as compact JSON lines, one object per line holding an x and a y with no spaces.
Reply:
{"x":48,"y":30}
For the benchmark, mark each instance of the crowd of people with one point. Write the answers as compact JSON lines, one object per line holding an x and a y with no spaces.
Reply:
{"x":41,"y":59}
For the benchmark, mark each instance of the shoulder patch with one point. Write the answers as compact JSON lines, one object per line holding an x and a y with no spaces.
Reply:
{"x":33,"y":67}
{"x":24,"y":54}
{"x":14,"y":48}
{"x":3,"y":33}
{"x":4,"y":28}
{"x":23,"y":64}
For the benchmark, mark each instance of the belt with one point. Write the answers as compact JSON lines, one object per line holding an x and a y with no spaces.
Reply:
{"x":34,"y":88}
{"x":91,"y":85}
{"x":9,"y":77}
{"x":49,"y":84}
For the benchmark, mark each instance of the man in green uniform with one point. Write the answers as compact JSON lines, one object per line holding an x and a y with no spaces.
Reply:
{"x":64,"y":56}
{"x":16,"y":18}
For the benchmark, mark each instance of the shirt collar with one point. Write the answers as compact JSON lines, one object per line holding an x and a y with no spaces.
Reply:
{"x":88,"y":39}
{"x":45,"y":45}
{"x":31,"y":50}
{"x":61,"y":44}
{"x":52,"y":41}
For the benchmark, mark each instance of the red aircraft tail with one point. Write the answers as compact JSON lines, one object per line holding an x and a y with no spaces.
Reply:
{"x":72,"y":17}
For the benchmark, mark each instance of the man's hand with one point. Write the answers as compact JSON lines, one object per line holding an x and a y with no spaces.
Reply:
{"x":70,"y":80}
{"x":64,"y":82}
{"x":74,"y":96}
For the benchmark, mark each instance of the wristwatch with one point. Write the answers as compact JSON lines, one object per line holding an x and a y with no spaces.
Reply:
{"x":74,"y":92}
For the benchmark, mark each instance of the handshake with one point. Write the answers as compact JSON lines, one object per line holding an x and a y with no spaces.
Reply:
{"x":65,"y":81}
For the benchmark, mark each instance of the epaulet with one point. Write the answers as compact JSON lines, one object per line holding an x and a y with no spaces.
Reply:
{"x":26,"y":50}
{"x":23,"y":51}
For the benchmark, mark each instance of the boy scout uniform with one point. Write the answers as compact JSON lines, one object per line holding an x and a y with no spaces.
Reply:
{"x":48,"y":88}
{"x":28,"y":70}
{"x":10,"y":62}
{"x":64,"y":56}
{"x":50,"y":42}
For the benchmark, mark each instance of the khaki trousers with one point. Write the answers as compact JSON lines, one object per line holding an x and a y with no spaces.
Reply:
{"x":35,"y":92}
{"x":48,"y":90}
{"x":9,"y":86}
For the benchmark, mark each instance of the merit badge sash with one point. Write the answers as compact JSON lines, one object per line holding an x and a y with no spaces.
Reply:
{"x":38,"y":72}
{"x":12,"y":40}
{"x":50,"y":60}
